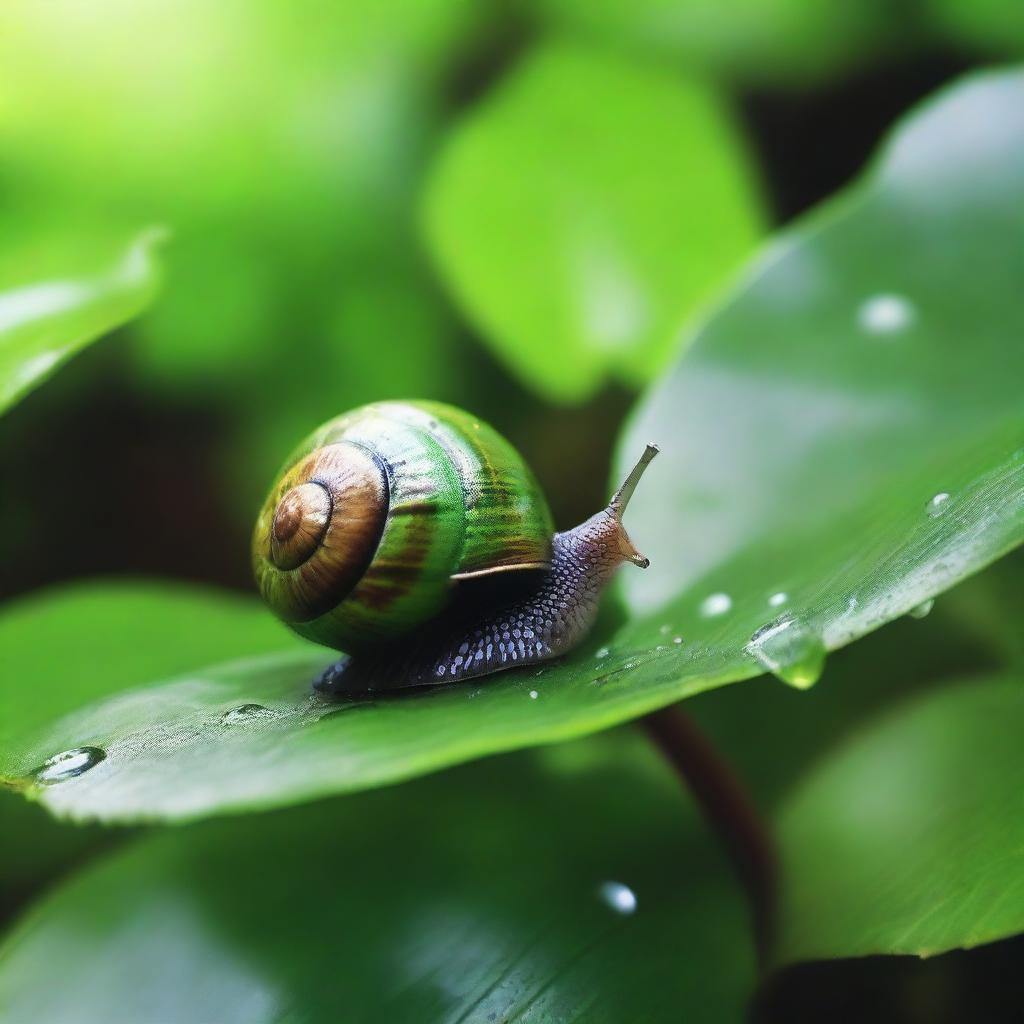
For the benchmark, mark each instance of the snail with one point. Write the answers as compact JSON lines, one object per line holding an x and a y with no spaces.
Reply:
{"x":413,"y":537}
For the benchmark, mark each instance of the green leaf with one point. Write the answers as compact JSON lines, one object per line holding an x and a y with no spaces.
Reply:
{"x":483,"y":894}
{"x":801,"y":453}
{"x":584,"y":210}
{"x":70,"y":646}
{"x":50,"y":309}
{"x":910,"y":838}
{"x":843,"y":439}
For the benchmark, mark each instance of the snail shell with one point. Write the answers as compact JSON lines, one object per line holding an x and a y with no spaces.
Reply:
{"x":379,"y":511}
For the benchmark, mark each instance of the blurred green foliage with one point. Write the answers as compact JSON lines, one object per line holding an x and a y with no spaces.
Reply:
{"x":58,"y":294}
{"x":908,"y":838}
{"x":586,"y":211}
{"x":283,"y":146}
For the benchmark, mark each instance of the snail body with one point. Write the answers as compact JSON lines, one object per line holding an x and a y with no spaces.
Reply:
{"x":415,"y":538}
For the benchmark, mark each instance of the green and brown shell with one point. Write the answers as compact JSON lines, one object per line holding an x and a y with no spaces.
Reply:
{"x":379,"y":512}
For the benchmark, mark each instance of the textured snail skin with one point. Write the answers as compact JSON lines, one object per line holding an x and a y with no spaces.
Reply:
{"x":550,"y":620}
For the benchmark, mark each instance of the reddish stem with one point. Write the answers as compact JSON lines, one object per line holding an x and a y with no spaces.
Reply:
{"x":727,"y":807}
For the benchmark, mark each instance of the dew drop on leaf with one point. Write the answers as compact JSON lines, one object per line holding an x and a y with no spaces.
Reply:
{"x":921,"y":610}
{"x":617,"y":897}
{"x":534,"y":695}
{"x":245,"y":713}
{"x":715,"y":604}
{"x":886,"y":314}
{"x":938,"y":504}
{"x":778,"y":599}
{"x":790,"y":651}
{"x":602,"y":652}
{"x":69,"y":764}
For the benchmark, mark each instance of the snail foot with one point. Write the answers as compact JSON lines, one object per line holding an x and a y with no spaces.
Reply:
{"x":332,"y":681}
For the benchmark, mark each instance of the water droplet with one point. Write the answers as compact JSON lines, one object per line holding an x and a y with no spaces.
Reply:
{"x":790,"y":651}
{"x":665,"y":629}
{"x":602,"y":652}
{"x":715,"y":604}
{"x":247,"y":713}
{"x":617,"y":897}
{"x":938,"y":504}
{"x":886,"y":314}
{"x":534,"y":695}
{"x":69,"y":764}
{"x":921,"y":610}
{"x":778,"y":599}
{"x":677,"y":639}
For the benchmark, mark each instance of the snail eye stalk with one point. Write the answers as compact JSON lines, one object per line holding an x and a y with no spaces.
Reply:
{"x":620,"y":499}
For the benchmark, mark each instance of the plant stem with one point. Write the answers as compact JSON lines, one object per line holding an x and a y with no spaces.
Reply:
{"x":729,"y":810}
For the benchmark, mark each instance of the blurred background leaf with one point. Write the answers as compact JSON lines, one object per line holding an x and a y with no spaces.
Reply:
{"x":587,"y":886}
{"x":286,"y":160}
{"x":909,"y":838}
{"x":584,"y":210}
{"x":37,"y":849}
{"x":57,"y":295}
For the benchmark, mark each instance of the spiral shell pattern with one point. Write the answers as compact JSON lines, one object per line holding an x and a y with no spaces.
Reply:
{"x":381,"y":511}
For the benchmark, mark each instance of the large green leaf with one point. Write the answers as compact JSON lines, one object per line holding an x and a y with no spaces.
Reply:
{"x":507,"y":890}
{"x":53,"y":303}
{"x":910,"y":838}
{"x":845,"y":436}
{"x":584,"y":210}
{"x":802,"y":453}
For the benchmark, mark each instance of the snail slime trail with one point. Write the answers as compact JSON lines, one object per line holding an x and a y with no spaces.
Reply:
{"x":414,"y":537}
